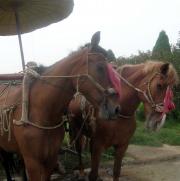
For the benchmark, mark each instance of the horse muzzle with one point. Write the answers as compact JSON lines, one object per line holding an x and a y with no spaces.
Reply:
{"x":154,"y":122}
{"x":108,"y":111}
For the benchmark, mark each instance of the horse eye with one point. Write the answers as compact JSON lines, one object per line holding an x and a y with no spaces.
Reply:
{"x":101,"y":69}
{"x":159,"y":86}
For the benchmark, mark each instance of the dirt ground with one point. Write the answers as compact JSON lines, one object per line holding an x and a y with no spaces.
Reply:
{"x":141,"y":163}
{"x":157,"y":171}
{"x":144,"y":163}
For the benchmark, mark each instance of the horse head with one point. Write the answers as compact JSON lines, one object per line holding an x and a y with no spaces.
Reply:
{"x":158,"y":95}
{"x":98,"y":87}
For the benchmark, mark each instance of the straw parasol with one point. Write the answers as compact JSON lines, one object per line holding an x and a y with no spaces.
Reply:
{"x":23,"y":16}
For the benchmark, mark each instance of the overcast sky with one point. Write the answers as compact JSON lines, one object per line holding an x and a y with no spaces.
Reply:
{"x":126,"y":26}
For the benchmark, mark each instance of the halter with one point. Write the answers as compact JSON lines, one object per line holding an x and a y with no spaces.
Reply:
{"x":32,"y":73}
{"x":158,"y":107}
{"x":148,"y":96}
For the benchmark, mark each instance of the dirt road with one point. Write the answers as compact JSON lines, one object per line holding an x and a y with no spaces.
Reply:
{"x":144,"y":163}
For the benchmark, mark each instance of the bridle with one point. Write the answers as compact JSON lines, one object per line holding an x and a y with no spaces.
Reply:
{"x":36,"y":75}
{"x":33,"y":74}
{"x":157,"y":107}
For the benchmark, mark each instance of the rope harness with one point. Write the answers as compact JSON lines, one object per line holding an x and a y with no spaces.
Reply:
{"x":29,"y":74}
{"x":148,"y":96}
{"x":89,"y":115}
{"x":6,"y":111}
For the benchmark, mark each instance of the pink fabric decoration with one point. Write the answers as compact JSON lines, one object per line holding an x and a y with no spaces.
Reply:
{"x":114,"y":78}
{"x":168,"y":101}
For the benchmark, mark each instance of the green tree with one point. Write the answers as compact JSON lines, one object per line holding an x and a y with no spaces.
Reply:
{"x":178,"y":42}
{"x":111,"y":55}
{"x":162,"y":49}
{"x":175,"y":115}
{"x":141,"y":57}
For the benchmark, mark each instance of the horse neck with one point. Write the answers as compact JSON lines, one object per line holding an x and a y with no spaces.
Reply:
{"x":52,"y":98}
{"x":129,"y":96}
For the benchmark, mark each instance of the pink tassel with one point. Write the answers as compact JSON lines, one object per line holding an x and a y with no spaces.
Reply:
{"x":114,"y":78}
{"x":168,"y":101}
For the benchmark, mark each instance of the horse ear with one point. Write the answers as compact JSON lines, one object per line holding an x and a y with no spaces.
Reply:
{"x":164,"y":68}
{"x":95,"y":39}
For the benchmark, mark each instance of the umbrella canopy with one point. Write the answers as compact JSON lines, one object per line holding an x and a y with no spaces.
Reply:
{"x":32,"y":14}
{"x":23,"y":16}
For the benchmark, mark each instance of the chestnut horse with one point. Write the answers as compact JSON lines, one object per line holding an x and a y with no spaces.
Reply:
{"x":39,"y":138}
{"x":149,"y":83}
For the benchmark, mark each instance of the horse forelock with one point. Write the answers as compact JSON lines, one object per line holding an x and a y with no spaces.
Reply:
{"x":154,"y":66}
{"x":96,"y":49}
{"x":79,"y":51}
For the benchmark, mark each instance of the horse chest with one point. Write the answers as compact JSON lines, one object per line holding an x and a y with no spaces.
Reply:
{"x":42,"y":144}
{"x":10,"y":145}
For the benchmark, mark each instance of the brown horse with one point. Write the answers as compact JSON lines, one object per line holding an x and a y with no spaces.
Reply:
{"x":38,"y":139}
{"x":147,"y":83}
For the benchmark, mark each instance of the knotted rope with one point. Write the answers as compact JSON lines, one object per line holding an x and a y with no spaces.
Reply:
{"x":88,"y":115}
{"x":29,"y":75}
{"x":5,"y":120}
{"x":6,"y":113}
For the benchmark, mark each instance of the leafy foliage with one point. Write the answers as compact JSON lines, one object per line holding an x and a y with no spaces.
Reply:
{"x":134,"y":59}
{"x":169,"y":134}
{"x":162,"y":49}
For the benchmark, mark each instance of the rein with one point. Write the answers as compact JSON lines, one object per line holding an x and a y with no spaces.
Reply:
{"x":32,"y":73}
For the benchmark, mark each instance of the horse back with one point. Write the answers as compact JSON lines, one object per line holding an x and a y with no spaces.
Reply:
{"x":9,"y":94}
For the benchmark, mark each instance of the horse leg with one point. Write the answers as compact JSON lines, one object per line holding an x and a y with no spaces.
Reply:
{"x":23,"y":171}
{"x":7,"y":171}
{"x":7,"y":163}
{"x":119,"y":153}
{"x":96,"y":151}
{"x":79,"y":148}
{"x":36,"y":170}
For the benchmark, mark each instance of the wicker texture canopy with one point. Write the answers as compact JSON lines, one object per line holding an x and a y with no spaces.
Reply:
{"x":32,"y":14}
{"x":23,"y":16}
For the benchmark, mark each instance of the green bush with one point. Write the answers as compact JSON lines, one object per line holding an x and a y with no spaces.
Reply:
{"x":140,"y":112}
{"x":169,"y":134}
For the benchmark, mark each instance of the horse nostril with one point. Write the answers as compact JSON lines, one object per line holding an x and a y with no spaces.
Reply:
{"x":117,"y":109}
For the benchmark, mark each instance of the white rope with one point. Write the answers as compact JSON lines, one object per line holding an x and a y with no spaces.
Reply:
{"x":148,"y":98}
{"x":5,"y":121}
{"x":39,"y":126}
{"x":29,"y":72}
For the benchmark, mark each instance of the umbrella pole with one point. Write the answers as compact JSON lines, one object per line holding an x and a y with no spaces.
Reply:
{"x":19,"y":38}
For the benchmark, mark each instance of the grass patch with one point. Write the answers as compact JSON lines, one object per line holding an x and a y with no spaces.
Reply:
{"x":169,"y":134}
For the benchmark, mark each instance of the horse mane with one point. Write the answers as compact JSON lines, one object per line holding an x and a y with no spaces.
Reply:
{"x":97,"y":49}
{"x":76,"y":52}
{"x":40,"y":69}
{"x":152,"y":66}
